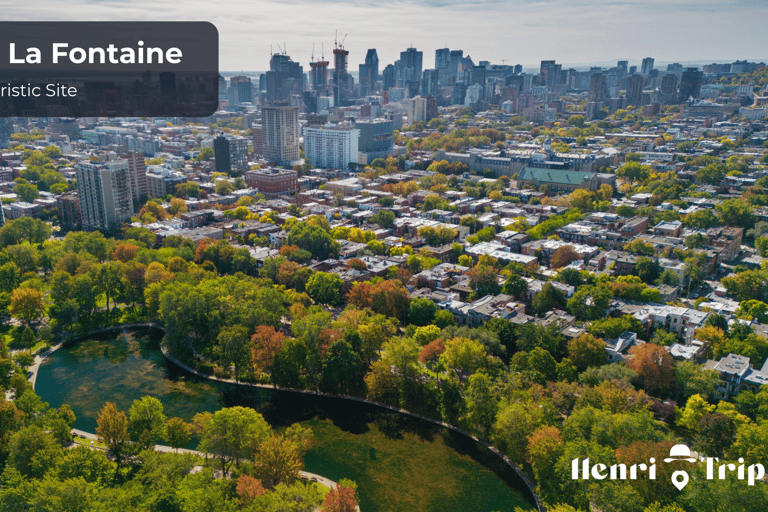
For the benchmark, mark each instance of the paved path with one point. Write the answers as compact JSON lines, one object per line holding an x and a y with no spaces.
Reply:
{"x":305,"y":475}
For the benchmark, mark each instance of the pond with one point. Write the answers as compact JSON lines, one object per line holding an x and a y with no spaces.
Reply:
{"x":399,"y":463}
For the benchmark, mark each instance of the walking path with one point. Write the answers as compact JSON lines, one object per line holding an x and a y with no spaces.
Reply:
{"x":304,"y":475}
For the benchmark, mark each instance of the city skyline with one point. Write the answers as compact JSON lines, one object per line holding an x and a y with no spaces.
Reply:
{"x":524,"y":32}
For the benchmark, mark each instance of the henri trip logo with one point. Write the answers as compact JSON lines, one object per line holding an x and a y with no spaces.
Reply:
{"x":583,"y":470}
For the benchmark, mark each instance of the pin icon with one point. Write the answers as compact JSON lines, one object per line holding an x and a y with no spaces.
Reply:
{"x":679,"y":479}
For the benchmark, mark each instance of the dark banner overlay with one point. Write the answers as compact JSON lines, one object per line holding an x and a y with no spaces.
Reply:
{"x":108,"y":69}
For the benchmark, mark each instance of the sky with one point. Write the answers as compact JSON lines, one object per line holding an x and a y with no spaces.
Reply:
{"x":573,"y":32}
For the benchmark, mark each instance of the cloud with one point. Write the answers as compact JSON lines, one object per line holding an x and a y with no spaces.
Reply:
{"x":519,"y":31}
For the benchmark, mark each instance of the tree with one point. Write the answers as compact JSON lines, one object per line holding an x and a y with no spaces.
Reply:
{"x":146,"y":422}
{"x":325,"y":288}
{"x":27,"y":304}
{"x":516,"y":286}
{"x":482,"y":404}
{"x":24,"y":445}
{"x":647,"y":269}
{"x":113,"y":429}
{"x":384,"y":218}
{"x":586,"y":351}
{"x":735,"y":212}
{"x":653,"y":365}
{"x":483,"y":278}
{"x":589,"y":302}
{"x":278,"y":459}
{"x":403,"y":354}
{"x":108,"y":279}
{"x":266,"y":342}
{"x":634,"y":171}
{"x":340,"y":499}
{"x":421,"y":311}
{"x":26,"y":191}
{"x":177,"y":433}
{"x":544,"y":448}
{"x":235,"y":346}
{"x":548,"y":298}
{"x":463,"y":355}
{"x":341,"y":368}
{"x":716,"y":433}
{"x":711,"y":174}
{"x":444,"y":319}
{"x":231,"y":434}
{"x":314,"y":239}
{"x":701,"y":219}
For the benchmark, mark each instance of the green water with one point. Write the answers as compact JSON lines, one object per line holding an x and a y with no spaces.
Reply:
{"x":400,"y":464}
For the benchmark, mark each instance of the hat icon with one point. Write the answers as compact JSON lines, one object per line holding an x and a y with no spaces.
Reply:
{"x":680,"y":452}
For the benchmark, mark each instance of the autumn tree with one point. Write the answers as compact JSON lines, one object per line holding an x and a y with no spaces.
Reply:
{"x":248,"y":489}
{"x":653,"y":365}
{"x":125,"y":252}
{"x":563,"y":256}
{"x":266,"y":342}
{"x":112,"y":429}
{"x":278,"y":459}
{"x":27,"y":304}
{"x":586,"y":351}
{"x":340,"y":499}
{"x":483,"y":279}
{"x":544,"y":448}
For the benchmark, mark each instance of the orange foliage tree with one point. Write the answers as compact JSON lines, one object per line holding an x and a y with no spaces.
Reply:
{"x":340,"y":499}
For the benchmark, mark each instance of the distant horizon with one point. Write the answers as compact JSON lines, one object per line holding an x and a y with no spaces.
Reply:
{"x":575,"y":32}
{"x":583,"y":66}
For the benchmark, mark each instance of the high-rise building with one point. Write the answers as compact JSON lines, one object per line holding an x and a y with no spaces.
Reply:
{"x":240,"y":90}
{"x":690,"y":83}
{"x":369,"y":72}
{"x":647,"y":66}
{"x":410,"y":65}
{"x":669,"y":89}
{"x":280,"y":133}
{"x":284,"y":78}
{"x":429,"y":82}
{"x":258,"y":140}
{"x":68,"y":209}
{"x":456,"y":57}
{"x":341,"y":78}
{"x":137,"y":174}
{"x":443,"y":61}
{"x":549,"y":73}
{"x":635,"y":90}
{"x":388,"y":78}
{"x":598,"y":90}
{"x":231,"y":155}
{"x":221,"y":154}
{"x":331,"y":146}
{"x":104,"y":193}
{"x":319,"y":76}
{"x":6,"y":130}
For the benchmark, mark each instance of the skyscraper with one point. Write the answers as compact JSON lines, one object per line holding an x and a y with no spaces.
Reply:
{"x":429,"y":82}
{"x":635,"y":90}
{"x":284,"y":78}
{"x":104,"y":192}
{"x":690,"y":84}
{"x":280,"y":133}
{"x":241,"y":92}
{"x":369,"y":72}
{"x":410,"y":65}
{"x":669,"y":89}
{"x":341,"y":77}
{"x":598,"y":90}
{"x":647,"y":66}
{"x":388,"y":77}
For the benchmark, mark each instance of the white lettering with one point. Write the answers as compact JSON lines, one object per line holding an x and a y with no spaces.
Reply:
{"x":755,"y":472}
{"x":57,"y":53}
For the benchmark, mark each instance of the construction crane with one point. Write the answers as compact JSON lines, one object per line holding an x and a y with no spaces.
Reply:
{"x":313,"y":52}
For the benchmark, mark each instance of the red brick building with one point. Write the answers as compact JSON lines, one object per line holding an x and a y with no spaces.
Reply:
{"x":273,"y":182}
